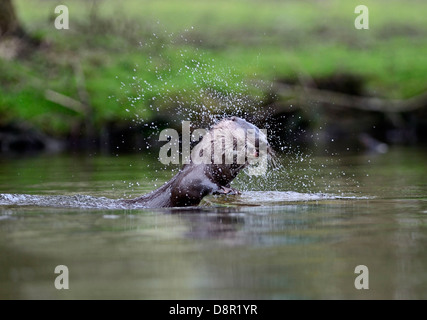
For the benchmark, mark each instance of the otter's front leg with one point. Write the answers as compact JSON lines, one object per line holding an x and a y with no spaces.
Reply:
{"x":227,"y":191}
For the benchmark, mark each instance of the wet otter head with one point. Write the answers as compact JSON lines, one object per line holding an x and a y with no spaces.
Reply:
{"x":232,"y":141}
{"x":231,"y":145}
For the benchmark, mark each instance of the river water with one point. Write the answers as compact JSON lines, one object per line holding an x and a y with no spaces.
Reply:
{"x":297,"y":233}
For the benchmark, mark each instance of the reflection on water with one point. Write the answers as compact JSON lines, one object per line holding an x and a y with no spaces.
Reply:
{"x":275,"y":244}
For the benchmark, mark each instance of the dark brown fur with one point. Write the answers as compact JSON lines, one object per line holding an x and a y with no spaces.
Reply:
{"x":195,"y":181}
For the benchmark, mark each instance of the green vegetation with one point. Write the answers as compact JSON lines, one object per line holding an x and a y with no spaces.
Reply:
{"x":140,"y":56}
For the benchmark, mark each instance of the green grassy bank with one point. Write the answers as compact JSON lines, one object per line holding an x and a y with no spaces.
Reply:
{"x":144,"y":56}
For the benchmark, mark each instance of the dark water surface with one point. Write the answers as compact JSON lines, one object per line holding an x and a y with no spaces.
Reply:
{"x":298,"y":233}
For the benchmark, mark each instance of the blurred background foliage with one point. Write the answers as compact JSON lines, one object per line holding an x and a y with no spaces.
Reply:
{"x":88,"y":79}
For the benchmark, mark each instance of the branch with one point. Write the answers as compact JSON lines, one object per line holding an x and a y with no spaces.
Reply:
{"x":304,"y":96}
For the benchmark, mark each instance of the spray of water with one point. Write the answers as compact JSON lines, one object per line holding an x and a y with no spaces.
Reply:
{"x":179,"y":79}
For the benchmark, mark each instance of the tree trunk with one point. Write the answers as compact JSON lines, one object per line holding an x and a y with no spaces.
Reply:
{"x":8,"y":20}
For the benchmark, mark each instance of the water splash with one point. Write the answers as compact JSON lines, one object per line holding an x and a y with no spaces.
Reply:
{"x":60,"y":201}
{"x":178,"y":82}
{"x":248,"y":198}
{"x":178,"y":79}
{"x":284,"y":197}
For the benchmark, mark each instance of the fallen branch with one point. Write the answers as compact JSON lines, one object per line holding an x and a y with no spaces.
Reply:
{"x":300,"y":95}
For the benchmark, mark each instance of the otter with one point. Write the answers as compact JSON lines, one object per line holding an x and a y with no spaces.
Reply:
{"x":213,"y":175}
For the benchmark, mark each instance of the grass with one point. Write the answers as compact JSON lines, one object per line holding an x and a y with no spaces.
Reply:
{"x":140,"y":56}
